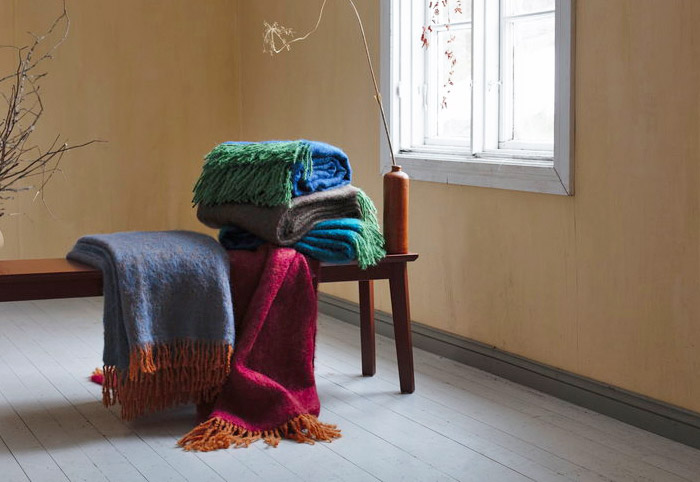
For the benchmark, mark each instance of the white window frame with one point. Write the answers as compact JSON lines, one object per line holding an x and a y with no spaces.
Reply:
{"x":499,"y":169}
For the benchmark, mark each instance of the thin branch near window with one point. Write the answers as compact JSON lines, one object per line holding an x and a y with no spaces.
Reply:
{"x":435,"y":9}
{"x":277,"y":38}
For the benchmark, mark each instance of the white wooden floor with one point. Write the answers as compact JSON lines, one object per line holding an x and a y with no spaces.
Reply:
{"x":461,"y":424}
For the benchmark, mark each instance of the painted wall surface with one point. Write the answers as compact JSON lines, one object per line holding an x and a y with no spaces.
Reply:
{"x":158,"y":81}
{"x":604,"y":284}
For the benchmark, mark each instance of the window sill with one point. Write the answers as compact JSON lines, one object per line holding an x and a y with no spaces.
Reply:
{"x":530,"y":174}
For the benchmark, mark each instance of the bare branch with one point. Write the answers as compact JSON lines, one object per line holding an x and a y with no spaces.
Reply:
{"x":38,"y":39}
{"x":21,"y":159}
{"x":277,"y":38}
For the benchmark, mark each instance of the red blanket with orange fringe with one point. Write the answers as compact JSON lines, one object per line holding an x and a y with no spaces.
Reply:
{"x":270,"y":392}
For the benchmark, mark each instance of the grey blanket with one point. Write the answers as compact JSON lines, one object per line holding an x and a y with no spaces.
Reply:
{"x":284,"y":225}
{"x":167,"y":301}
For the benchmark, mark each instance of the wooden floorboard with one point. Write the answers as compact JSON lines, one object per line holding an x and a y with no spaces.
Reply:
{"x":11,"y":470}
{"x":479,"y":436}
{"x":630,"y":442}
{"x":461,"y":424}
{"x":418,"y":442}
{"x":481,"y":439}
{"x":528,"y":421}
{"x":600,"y":427}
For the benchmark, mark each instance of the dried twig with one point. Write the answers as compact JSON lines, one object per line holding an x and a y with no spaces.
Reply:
{"x":277,"y":38}
{"x":20,"y":158}
{"x":434,"y":8}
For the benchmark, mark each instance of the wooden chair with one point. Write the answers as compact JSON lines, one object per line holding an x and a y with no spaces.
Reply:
{"x":35,"y":279}
{"x":395,"y":269}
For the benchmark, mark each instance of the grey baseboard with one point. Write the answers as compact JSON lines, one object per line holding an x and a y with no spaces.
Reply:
{"x":655,"y":416}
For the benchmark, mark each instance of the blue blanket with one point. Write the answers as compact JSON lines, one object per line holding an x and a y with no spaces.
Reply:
{"x":332,"y":241}
{"x":330,"y":169}
{"x":234,"y":238}
{"x":167,"y":302}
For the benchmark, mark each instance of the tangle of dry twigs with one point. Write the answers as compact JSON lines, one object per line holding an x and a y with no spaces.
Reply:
{"x":21,"y":159}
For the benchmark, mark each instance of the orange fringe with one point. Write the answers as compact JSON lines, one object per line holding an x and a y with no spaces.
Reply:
{"x":217,"y":433}
{"x":163,"y":375}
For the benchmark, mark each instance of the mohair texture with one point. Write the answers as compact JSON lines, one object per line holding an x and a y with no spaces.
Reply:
{"x":333,"y":241}
{"x":269,"y":173}
{"x":168,"y":317}
{"x":285,"y":225}
{"x":234,"y":238}
{"x":342,"y":241}
{"x":270,"y":392}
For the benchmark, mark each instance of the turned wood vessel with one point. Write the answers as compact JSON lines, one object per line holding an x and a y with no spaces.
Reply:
{"x":396,"y":184}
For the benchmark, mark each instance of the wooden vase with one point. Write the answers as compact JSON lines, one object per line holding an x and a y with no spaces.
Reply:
{"x":396,"y":184}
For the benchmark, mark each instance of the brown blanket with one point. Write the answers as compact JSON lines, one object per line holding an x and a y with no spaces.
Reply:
{"x":285,"y":225}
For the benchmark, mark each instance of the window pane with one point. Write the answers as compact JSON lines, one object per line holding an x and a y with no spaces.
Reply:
{"x":528,"y":82}
{"x":453,"y":108}
{"x":524,"y":7}
{"x":533,"y":80}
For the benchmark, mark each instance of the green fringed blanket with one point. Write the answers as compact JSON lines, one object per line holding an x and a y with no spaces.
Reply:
{"x":269,"y":173}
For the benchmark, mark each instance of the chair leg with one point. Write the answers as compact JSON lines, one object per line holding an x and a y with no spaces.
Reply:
{"x":400,"y":309}
{"x":369,"y":364}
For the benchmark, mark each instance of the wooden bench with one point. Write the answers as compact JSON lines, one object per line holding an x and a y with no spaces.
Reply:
{"x":36,"y":279}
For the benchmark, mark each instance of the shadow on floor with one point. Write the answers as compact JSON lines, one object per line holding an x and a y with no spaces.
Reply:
{"x":66,"y":425}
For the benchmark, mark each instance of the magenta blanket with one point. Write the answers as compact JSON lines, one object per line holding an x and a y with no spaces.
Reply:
{"x":270,"y":392}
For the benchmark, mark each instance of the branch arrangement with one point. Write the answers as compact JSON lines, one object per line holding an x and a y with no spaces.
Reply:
{"x":21,"y":159}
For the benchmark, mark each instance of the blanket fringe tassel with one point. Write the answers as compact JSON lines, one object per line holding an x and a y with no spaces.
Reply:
{"x":370,"y":244}
{"x":216,"y":433}
{"x":262,"y":173}
{"x":163,"y":375}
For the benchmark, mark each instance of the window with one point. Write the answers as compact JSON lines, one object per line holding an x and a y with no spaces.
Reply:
{"x":489,"y":101}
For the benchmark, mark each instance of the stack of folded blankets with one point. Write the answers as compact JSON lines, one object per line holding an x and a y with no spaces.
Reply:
{"x":288,"y":193}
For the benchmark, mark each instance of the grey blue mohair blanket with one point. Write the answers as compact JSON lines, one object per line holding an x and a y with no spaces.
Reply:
{"x":168,"y":316}
{"x":285,"y":225}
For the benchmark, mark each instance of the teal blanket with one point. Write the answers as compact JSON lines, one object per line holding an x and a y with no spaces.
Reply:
{"x":333,"y":241}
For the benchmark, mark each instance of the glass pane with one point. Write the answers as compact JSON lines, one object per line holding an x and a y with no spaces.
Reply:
{"x":533,"y":79}
{"x":454,"y":11}
{"x":524,"y":7}
{"x":453,"y":101}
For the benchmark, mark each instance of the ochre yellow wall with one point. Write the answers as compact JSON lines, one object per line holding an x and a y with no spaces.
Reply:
{"x":604,"y":284}
{"x":158,"y":80}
